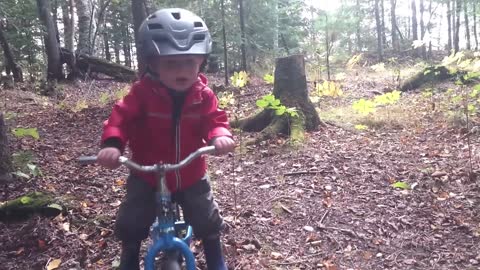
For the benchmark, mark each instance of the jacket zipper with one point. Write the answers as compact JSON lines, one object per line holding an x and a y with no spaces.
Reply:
{"x":177,"y":151}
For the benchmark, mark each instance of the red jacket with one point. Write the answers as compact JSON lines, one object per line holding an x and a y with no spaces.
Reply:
{"x":143,"y":118}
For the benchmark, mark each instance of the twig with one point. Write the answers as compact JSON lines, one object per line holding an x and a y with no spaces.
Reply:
{"x":352,"y":233}
{"x":279,"y":198}
{"x":303,"y":260}
{"x":323,"y":217}
{"x":301,"y":172}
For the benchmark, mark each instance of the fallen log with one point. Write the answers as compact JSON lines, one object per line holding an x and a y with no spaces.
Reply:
{"x":31,"y":203}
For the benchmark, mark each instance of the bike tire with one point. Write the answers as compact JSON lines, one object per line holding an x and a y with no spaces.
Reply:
{"x":170,"y":264}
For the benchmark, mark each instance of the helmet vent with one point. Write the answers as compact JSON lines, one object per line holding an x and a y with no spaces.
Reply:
{"x":154,"y":26}
{"x":176,"y":15}
{"x":199,"y":37}
{"x":153,"y":16}
{"x":198,"y":24}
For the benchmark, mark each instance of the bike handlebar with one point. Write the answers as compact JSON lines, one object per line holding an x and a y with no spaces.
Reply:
{"x":153,"y":168}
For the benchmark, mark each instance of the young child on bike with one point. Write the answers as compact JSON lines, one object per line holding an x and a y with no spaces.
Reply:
{"x":168,"y":114}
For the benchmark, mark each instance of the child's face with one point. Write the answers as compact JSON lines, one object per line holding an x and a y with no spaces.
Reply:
{"x":178,"y":72}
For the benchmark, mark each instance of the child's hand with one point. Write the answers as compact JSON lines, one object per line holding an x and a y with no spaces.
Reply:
{"x":108,"y":157}
{"x":223,"y":145}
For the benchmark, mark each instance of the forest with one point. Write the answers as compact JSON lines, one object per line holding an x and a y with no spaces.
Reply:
{"x":356,"y":125}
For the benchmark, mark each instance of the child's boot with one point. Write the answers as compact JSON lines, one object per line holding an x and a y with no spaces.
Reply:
{"x":129,"y":258}
{"x":213,"y":254}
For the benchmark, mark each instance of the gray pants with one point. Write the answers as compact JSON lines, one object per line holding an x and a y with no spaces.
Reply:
{"x":137,"y":211}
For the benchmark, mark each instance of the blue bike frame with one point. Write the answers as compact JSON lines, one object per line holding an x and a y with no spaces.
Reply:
{"x":165,"y":227}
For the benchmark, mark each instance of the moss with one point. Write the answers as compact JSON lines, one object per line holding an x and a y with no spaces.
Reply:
{"x":34,"y":202}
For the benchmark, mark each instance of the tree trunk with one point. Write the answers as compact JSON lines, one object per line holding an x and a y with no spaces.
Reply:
{"x":429,"y":29}
{"x":384,"y":35}
{"x":86,"y":24}
{"x":449,"y":20}
{"x":379,"y":31}
{"x":242,"y":33}
{"x":11,"y":64}
{"x":414,"y":21}
{"x":467,"y":28}
{"x":100,"y":20}
{"x":126,"y":48}
{"x":29,"y":204}
{"x":86,"y":64}
{"x":116,"y":50}
{"x":422,"y":29}
{"x":456,"y":39}
{"x":106,"y":47}
{"x":55,"y":19}
{"x":139,"y":14}
{"x":393,"y":17}
{"x":359,"y":20}
{"x":290,"y":87}
{"x":68,"y":24}
{"x":475,"y":24}
{"x":54,"y":69}
{"x":6,"y":166}
{"x":224,"y":36}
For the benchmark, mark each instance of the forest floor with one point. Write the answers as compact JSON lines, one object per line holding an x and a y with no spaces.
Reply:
{"x":326,"y":204}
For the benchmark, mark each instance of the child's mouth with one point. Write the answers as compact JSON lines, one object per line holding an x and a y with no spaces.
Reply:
{"x":181,"y":80}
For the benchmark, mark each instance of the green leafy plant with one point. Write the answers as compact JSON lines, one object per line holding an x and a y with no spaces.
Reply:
{"x":26,"y":132}
{"x":225,"y":99}
{"x":104,"y":98}
{"x":388,"y":98}
{"x":272,"y":103}
{"x":361,"y":127}
{"x":329,"y":88}
{"x":80,"y":105}
{"x":364,"y":106}
{"x":120,"y":93}
{"x":401,"y":185}
{"x":354,"y":61}
{"x":239,"y":79}
{"x":268,"y":78}
{"x":24,"y":164}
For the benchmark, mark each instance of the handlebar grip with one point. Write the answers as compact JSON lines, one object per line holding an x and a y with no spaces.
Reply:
{"x":86,"y":160}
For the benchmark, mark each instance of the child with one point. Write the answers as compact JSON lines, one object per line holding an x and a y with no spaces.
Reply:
{"x":167,"y":115}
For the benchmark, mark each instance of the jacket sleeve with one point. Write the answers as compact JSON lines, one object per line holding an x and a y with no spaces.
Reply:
{"x":115,"y":128}
{"x":216,"y":121}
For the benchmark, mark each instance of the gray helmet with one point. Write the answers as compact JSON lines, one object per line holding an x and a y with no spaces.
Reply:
{"x":173,"y":31}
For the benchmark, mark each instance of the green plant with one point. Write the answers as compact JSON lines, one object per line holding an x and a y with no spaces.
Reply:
{"x":24,"y":164}
{"x":272,"y":103}
{"x":80,"y":105}
{"x":354,"y":61}
{"x":225,"y":99}
{"x":364,"y":106}
{"x":268,"y":78}
{"x":239,"y":79}
{"x":329,"y":88}
{"x":104,"y":98}
{"x":387,"y":98}
{"x":26,"y":132}
{"x":120,"y":93}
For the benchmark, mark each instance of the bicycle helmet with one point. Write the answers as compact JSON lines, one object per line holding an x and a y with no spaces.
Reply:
{"x":174,"y":31}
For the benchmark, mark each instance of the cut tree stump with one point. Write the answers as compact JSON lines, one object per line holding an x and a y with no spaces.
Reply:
{"x":31,"y":203}
{"x":290,"y":87}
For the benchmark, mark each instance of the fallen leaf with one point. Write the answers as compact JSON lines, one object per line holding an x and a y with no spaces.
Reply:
{"x":266,"y":186}
{"x":20,"y":251}
{"x":276,"y":255}
{"x":116,"y":203}
{"x":54,"y":264}
{"x":249,"y":247}
{"x":401,"y":185}
{"x":66,"y":226}
{"x":41,"y":244}
{"x":438,"y":174}
{"x":308,"y":228}
{"x":327,"y":201}
{"x":120,"y":182}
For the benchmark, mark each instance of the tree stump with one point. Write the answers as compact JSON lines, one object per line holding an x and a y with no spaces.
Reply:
{"x":290,"y":87}
{"x":6,"y":166}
